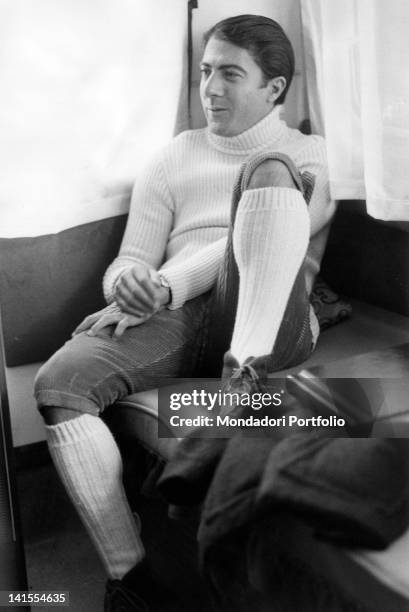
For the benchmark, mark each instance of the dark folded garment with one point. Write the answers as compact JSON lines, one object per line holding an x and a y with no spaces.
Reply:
{"x":229,"y":503}
{"x":352,"y":491}
{"x":187,"y":477}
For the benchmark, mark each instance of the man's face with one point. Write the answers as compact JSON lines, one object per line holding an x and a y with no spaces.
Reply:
{"x":232,"y":89}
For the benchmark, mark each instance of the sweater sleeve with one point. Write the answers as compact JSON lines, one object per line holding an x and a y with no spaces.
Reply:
{"x":148,"y":227}
{"x":196,"y":274}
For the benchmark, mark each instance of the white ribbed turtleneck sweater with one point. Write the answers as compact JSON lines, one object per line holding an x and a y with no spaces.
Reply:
{"x":180,"y":210}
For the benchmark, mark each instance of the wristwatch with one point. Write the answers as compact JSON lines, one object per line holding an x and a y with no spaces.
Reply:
{"x":163,"y":281}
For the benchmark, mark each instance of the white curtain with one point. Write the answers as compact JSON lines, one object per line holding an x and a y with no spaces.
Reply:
{"x":356,"y":54}
{"x":89,"y":90}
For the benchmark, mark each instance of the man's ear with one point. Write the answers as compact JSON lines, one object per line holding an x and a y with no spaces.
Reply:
{"x":276,"y":87}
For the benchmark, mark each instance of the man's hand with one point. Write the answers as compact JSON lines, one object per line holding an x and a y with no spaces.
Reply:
{"x":138,"y":291}
{"x":111,"y":315}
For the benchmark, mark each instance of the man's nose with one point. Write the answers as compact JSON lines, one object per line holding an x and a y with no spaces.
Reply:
{"x":213,"y":85}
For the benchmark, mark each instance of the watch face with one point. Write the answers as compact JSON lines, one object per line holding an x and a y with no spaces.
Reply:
{"x":164,"y":282}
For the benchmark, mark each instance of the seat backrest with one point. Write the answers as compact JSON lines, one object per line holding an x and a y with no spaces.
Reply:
{"x":48,"y":284}
{"x":368,"y":259}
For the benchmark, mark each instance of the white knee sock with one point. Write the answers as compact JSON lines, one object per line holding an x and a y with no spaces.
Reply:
{"x":270,"y":240}
{"x":90,"y":467}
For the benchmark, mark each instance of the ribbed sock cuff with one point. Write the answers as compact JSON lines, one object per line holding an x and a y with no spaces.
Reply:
{"x":271,"y":198}
{"x":72,"y":431}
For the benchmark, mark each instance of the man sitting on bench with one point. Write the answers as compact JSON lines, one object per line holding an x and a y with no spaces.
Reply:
{"x":158,"y":288}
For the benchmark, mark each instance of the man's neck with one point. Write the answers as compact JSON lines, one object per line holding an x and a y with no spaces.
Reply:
{"x":266,"y":131}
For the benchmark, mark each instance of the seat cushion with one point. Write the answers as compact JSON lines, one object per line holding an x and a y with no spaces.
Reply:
{"x":390,"y":566}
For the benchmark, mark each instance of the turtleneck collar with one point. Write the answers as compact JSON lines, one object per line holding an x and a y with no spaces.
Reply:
{"x":267,"y":131}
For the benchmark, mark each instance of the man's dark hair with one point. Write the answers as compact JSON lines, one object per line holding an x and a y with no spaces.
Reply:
{"x":264,"y":39}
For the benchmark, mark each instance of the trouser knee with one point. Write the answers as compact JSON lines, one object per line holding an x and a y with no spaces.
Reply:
{"x":66,"y":386}
{"x":270,"y":170}
{"x":271,"y":173}
{"x":46,"y":386}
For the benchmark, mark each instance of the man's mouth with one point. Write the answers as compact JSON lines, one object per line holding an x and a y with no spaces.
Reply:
{"x":215,"y":109}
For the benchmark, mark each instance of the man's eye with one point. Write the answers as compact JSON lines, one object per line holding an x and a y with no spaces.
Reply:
{"x":231,"y":76}
{"x":205,"y":72}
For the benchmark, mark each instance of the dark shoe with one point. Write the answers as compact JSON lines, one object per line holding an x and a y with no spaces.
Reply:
{"x":120,"y":598}
{"x":247,"y":379}
{"x":138,"y":590}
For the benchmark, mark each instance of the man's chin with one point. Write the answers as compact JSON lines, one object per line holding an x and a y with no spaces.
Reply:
{"x":218,"y":129}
